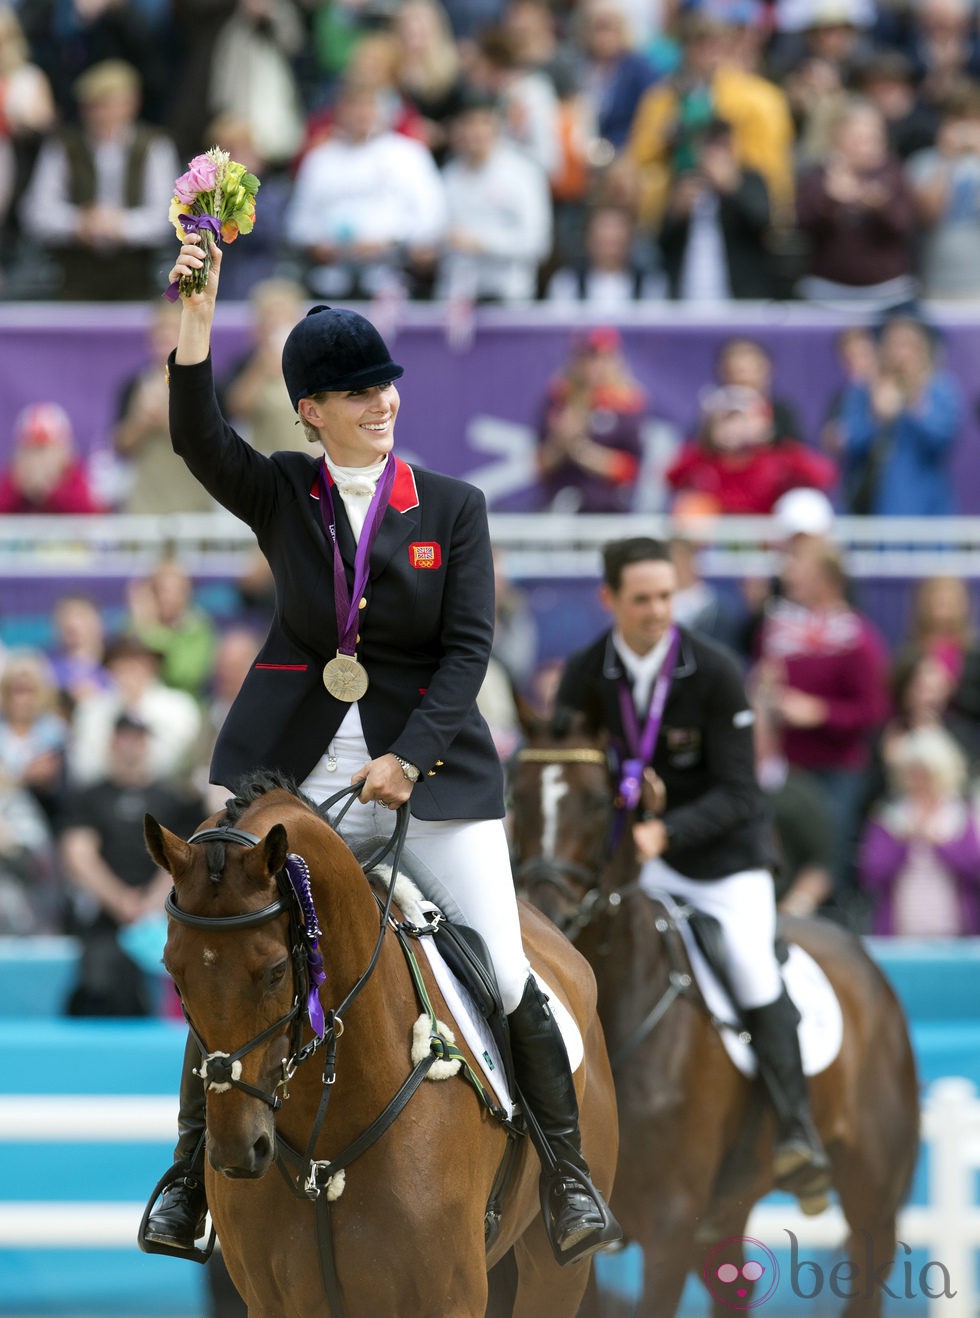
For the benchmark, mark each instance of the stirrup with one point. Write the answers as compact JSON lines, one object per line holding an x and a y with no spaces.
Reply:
{"x":199,"y":1254}
{"x":805,"y":1172}
{"x":606,"y":1234}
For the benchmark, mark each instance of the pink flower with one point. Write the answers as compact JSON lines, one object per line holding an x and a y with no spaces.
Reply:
{"x":200,"y":177}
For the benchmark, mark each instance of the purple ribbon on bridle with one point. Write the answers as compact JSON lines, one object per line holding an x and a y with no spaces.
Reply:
{"x":193,"y":224}
{"x":641,"y":743}
{"x":298,"y":873}
{"x":345,"y":600}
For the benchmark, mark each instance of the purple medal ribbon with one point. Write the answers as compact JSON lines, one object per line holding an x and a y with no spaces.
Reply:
{"x":346,"y":601}
{"x":641,"y":744}
{"x":193,"y":224}
{"x":298,"y":873}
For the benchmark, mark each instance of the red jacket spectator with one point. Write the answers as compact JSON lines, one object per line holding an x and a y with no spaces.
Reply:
{"x":734,"y":462}
{"x":45,"y":475}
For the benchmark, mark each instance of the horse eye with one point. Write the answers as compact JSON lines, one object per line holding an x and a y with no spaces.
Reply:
{"x":274,"y":976}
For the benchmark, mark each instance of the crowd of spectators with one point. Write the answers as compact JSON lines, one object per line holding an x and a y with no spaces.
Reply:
{"x":503,"y":150}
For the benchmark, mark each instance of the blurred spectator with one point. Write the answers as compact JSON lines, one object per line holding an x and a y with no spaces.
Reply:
{"x":735,"y":462}
{"x":944,"y":47}
{"x":590,"y":436}
{"x":921,"y":694}
{"x":532,"y":26}
{"x":821,"y":680}
{"x":233,"y":658}
{"x":748,"y":363}
{"x":32,"y":731}
{"x":858,"y":213}
{"x":946,"y":183}
{"x":252,"y":75}
{"x":714,"y":231}
{"x":698,"y":605}
{"x":815,"y":91}
{"x":99,"y":195}
{"x":256,"y":400}
{"x":919,"y":857}
{"x":857,"y":353}
{"x":900,"y":430}
{"x":515,"y":630}
{"x":666,"y":138}
{"x":374,"y":62}
{"x":27,"y":112}
{"x":173,"y":717}
{"x":78,"y":654}
{"x":803,"y":825}
{"x":164,"y":616}
{"x":887,"y":80}
{"x":429,"y":72}
{"x":71,"y":36}
{"x":114,"y":880}
{"x":196,"y":24}
{"x":528,"y":101}
{"x":245,"y":264}
{"x":942,"y":623}
{"x":499,"y":212}
{"x":155,"y":481}
{"x":831,"y":32}
{"x":45,"y":474}
{"x":354,"y":242}
{"x":611,"y":273}
{"x":615,"y":74}
{"x":31,"y":897}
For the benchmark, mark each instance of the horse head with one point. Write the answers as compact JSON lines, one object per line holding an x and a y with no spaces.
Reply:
{"x":563,"y":813}
{"x":240,"y":969}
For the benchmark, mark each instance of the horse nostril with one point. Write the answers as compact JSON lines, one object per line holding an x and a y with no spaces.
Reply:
{"x":261,"y":1151}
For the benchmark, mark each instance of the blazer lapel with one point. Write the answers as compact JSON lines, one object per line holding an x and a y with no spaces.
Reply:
{"x":402,"y":518}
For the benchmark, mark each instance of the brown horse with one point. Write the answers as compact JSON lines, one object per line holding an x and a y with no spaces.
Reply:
{"x":407,"y":1232}
{"x":696,"y":1136}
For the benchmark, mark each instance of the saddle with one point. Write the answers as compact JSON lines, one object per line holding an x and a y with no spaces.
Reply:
{"x":462,"y":947}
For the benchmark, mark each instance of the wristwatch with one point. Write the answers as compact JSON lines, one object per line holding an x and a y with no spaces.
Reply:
{"x":409,"y":769}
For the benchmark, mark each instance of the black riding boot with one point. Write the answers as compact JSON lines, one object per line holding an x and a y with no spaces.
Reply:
{"x":578,"y":1219}
{"x":178,"y":1219}
{"x":800,"y":1162}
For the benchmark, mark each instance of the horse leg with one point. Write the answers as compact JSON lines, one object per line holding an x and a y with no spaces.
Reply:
{"x":502,"y":1285}
{"x":543,"y":1286}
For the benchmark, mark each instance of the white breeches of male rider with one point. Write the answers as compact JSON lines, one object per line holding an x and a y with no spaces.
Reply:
{"x":470,"y":857}
{"x":744,"y":904}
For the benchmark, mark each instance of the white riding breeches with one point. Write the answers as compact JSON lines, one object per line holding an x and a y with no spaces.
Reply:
{"x":744,"y":904}
{"x":471,"y":857}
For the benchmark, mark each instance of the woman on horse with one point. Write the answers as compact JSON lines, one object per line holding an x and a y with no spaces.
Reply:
{"x":674,"y":705}
{"x":370,"y":673}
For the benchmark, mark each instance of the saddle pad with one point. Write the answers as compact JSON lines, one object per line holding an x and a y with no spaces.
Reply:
{"x":467,"y":1019}
{"x":821,"y":1029}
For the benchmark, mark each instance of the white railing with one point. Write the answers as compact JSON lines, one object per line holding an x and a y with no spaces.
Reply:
{"x":548,"y":545}
{"x":947,"y":1227}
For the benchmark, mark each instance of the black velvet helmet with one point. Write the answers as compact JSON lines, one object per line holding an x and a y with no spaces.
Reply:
{"x":334,"y":349}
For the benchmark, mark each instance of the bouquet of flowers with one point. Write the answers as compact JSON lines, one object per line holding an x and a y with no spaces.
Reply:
{"x":215,"y":198}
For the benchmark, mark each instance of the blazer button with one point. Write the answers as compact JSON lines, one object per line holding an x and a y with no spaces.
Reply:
{"x":363,"y":603}
{"x":431,"y":773}
{"x":439,"y":764}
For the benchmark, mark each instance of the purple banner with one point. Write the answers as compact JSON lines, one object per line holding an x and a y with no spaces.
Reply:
{"x":471,"y":412}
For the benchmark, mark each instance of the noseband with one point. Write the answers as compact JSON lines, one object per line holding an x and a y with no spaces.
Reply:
{"x":221,"y":1071}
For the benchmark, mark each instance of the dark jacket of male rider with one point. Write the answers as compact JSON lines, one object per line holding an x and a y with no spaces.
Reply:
{"x":715,"y":814}
{"x":426,"y":629}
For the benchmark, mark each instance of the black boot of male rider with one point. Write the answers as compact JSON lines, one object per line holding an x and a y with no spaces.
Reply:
{"x":178,"y":1219}
{"x":580,"y":1221}
{"x":800,"y":1162}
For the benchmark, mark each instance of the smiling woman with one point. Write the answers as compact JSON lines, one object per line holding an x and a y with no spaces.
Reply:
{"x":384,"y":586}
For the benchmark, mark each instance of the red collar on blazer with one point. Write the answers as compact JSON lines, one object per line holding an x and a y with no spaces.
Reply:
{"x":404,"y":495}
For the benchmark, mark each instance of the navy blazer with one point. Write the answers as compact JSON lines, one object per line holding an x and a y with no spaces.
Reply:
{"x":715,"y":815}
{"x":425,"y":632}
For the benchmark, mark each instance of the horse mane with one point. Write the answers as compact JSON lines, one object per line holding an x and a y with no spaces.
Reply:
{"x":250,"y":789}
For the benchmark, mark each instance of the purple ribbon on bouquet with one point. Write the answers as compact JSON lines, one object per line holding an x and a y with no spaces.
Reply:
{"x":641,"y":743}
{"x":202,"y":224}
{"x":298,"y":873}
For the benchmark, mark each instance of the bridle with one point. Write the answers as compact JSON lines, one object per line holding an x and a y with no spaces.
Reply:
{"x":221,"y":1071}
{"x":561,"y":873}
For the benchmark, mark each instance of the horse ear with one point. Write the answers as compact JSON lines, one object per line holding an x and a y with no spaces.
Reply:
{"x":169,"y":851}
{"x":530,"y":720}
{"x":276,"y":848}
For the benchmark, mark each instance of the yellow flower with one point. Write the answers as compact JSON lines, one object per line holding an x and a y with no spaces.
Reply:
{"x":178,"y":208}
